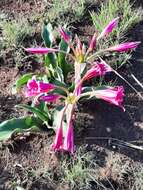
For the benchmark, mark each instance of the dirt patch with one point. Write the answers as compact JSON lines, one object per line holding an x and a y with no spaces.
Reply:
{"x":26,"y":8}
{"x":23,"y":162}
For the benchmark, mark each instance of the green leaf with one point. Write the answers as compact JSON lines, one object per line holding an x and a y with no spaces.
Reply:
{"x":8,"y":127}
{"x":50,"y":59}
{"x":21,"y":81}
{"x":58,"y":83}
{"x":71,"y":87}
{"x":63,"y":46}
{"x":59,"y":90}
{"x":44,"y":109}
{"x":44,"y":78}
{"x":47,"y":34}
{"x":50,"y":64}
{"x":59,"y":74}
{"x":43,"y":116}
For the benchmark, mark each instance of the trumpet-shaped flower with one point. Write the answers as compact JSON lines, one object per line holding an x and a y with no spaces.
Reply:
{"x":109,"y":28}
{"x":41,"y":50}
{"x":112,"y":95}
{"x":92,"y":44}
{"x":45,"y":87}
{"x":35,"y":87}
{"x":78,"y":89}
{"x":69,"y":139}
{"x":58,"y":142}
{"x":99,"y":69}
{"x":32,"y":88}
{"x":50,"y":98}
{"x":124,"y":47}
{"x":64,"y":35}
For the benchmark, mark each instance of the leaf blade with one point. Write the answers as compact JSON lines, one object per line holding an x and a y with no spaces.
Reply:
{"x":41,"y":115}
{"x":8,"y":127}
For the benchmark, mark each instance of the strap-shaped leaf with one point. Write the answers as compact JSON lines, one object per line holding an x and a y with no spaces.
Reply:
{"x":62,"y":87}
{"x":21,"y":82}
{"x":62,"y":63}
{"x":58,"y":83}
{"x":8,"y":127}
{"x":59,"y":74}
{"x":43,"y":116}
{"x":44,"y":109}
{"x":50,"y":59}
{"x":47,"y":34}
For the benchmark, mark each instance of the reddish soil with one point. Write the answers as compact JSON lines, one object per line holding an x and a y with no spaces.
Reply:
{"x":25,"y":162}
{"x":22,"y":7}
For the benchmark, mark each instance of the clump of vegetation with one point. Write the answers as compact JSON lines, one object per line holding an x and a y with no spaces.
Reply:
{"x":15,"y":31}
{"x":128,"y":18}
{"x":80,"y":171}
{"x":66,"y":11}
{"x":112,"y":9}
{"x":138,"y":177}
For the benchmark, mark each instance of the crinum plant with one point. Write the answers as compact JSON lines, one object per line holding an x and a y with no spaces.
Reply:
{"x":55,"y":99}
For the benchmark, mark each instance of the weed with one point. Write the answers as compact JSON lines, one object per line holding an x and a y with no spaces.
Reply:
{"x":80,"y":171}
{"x":112,"y":9}
{"x":138,"y":178}
{"x":128,"y":17}
{"x":66,"y":12}
{"x":15,"y":31}
{"x":119,"y":167}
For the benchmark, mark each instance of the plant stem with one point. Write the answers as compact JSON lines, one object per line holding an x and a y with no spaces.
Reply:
{"x":95,"y":54}
{"x":138,"y":93}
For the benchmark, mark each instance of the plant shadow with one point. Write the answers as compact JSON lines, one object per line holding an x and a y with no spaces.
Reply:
{"x":110,"y":127}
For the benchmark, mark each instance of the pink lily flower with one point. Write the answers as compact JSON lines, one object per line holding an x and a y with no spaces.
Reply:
{"x":41,"y":50}
{"x":58,"y":142}
{"x":79,"y":45}
{"x":50,"y":98}
{"x":109,"y":28}
{"x":78,"y":89}
{"x":64,"y":35}
{"x":69,"y":139}
{"x":45,"y":87}
{"x":92,"y":43}
{"x":32,"y":88}
{"x":107,"y":67}
{"x":99,"y":69}
{"x":124,"y":47}
{"x":112,"y":95}
{"x":35,"y":87}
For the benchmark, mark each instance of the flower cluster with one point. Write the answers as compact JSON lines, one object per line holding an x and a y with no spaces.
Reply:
{"x":82,"y":56}
{"x":46,"y":94}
